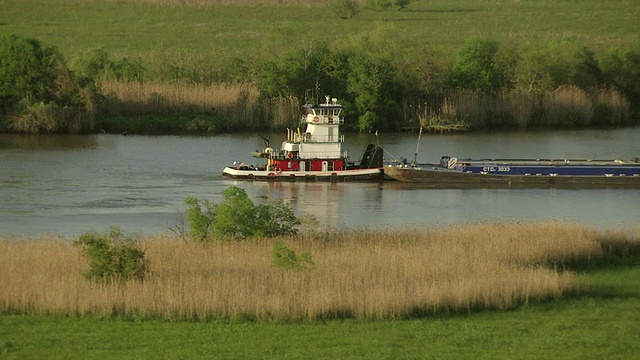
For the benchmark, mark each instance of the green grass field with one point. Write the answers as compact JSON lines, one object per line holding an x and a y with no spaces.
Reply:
{"x":183,"y":33}
{"x":602,"y":323}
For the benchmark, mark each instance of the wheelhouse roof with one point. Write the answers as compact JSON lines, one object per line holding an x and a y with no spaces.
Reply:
{"x":323,"y":106}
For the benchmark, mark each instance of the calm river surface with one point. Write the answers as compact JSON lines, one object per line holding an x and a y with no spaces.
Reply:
{"x":67,"y":185}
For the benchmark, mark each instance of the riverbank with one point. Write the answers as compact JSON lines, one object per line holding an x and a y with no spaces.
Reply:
{"x":180,"y":109}
{"x":540,"y":70}
{"x":599,"y":320}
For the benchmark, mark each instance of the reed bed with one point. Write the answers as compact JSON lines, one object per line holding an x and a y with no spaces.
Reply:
{"x":167,"y":97}
{"x":566,"y":106}
{"x":225,"y":106}
{"x":363,"y":273}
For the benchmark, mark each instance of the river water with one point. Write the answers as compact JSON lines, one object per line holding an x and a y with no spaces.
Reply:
{"x":68,"y":185}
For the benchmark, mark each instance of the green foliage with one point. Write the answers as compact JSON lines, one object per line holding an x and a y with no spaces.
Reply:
{"x":530,"y":73}
{"x":373,"y":84}
{"x":402,"y":4}
{"x":113,"y":257}
{"x":96,"y":65}
{"x":238,"y":216}
{"x":27,"y":71}
{"x":286,"y":258}
{"x":211,"y":53}
{"x":37,"y":91}
{"x":200,"y":216}
{"x":297,"y":71}
{"x":378,"y":4}
{"x":570,"y":63}
{"x":621,"y":68}
{"x":346,"y":9}
{"x":480,"y":67}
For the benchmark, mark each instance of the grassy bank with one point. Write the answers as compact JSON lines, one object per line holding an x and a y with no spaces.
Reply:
{"x":600,"y":321}
{"x":551,"y":64}
{"x":206,"y":33}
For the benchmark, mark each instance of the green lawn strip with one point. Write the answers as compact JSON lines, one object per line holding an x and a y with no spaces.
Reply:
{"x":157,"y":33}
{"x":602,"y":322}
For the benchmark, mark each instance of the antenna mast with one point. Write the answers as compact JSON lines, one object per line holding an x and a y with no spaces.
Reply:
{"x":415,"y":156}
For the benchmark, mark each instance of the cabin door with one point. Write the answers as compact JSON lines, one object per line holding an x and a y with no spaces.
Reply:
{"x":325,"y":166}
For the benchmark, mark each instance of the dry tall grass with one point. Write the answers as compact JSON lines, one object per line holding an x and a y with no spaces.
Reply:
{"x":362,"y":273}
{"x":238,"y":105}
{"x":567,"y":106}
{"x":165,"y":97}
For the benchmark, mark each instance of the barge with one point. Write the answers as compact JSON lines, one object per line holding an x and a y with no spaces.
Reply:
{"x":315,"y":154}
{"x":453,"y":172}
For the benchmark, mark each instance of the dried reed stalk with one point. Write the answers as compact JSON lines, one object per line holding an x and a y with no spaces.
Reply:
{"x":367,"y":273}
{"x":179,"y":96}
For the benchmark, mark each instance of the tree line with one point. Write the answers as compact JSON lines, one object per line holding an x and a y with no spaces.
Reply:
{"x":485,"y":85}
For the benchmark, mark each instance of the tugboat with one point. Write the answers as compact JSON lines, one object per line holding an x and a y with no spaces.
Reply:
{"x":315,"y":154}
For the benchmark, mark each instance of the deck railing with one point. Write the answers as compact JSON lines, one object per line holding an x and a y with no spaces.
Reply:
{"x":308,"y":138}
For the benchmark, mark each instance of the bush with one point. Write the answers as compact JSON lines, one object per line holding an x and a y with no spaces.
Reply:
{"x":238,"y":216}
{"x":346,"y":9}
{"x":95,"y":65}
{"x":200,"y":215}
{"x":37,"y":91}
{"x":113,"y":257}
{"x":286,"y":258}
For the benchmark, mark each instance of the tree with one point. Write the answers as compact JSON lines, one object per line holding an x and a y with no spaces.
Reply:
{"x":39,"y":92}
{"x":480,"y":67}
{"x":372,"y":84}
{"x":298,"y":71}
{"x":621,"y":68}
{"x":27,"y":71}
{"x":200,"y":215}
{"x":570,"y":63}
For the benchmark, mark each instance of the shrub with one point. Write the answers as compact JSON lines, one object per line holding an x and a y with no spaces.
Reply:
{"x":200,"y":215}
{"x":346,"y":9}
{"x":402,"y":4}
{"x":286,"y":258}
{"x":37,"y":91}
{"x":95,"y":65}
{"x":113,"y":257}
{"x":238,"y":216}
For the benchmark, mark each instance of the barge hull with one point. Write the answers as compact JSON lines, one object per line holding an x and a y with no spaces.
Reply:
{"x":439,"y":177}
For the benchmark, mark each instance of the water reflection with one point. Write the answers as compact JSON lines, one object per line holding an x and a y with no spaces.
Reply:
{"x":47,"y":142}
